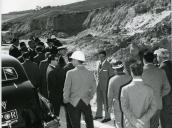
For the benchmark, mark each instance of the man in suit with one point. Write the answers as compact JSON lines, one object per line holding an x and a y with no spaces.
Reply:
{"x":105,"y":71}
{"x":14,"y":51}
{"x":156,"y":79}
{"x":32,"y":70}
{"x":43,"y":69}
{"x":79,"y":88}
{"x":69,"y":65}
{"x":166,"y":64}
{"x":55,"y":80}
{"x":115,"y":85}
{"x":62,"y":52}
{"x":137,"y":101}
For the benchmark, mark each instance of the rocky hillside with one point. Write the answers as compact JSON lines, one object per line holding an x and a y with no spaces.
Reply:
{"x":93,"y":24}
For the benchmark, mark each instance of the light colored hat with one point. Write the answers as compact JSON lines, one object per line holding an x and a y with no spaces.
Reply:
{"x":162,"y":52}
{"x":117,"y":64}
{"x":78,"y":55}
{"x":62,"y":47}
{"x":53,"y":36}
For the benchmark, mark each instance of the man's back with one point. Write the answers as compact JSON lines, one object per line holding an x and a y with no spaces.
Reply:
{"x":81,"y":81}
{"x":137,"y":101}
{"x":157,"y":80}
{"x":33,"y":72}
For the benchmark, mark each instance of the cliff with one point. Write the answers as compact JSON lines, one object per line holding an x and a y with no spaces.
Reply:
{"x":93,"y":24}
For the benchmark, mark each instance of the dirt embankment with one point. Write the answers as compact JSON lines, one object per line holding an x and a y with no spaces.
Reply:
{"x":146,"y":23}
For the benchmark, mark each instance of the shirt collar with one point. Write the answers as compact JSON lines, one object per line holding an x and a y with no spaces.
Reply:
{"x":137,"y":79}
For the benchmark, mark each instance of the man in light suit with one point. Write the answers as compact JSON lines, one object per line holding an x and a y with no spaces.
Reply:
{"x":137,"y":101}
{"x":156,"y":79}
{"x":79,"y":89}
{"x":105,"y":71}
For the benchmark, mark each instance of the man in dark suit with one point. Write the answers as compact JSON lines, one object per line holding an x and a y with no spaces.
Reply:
{"x":32,"y":71}
{"x":14,"y":51}
{"x":43,"y":70}
{"x":166,"y":64}
{"x":62,"y":52}
{"x":55,"y":80}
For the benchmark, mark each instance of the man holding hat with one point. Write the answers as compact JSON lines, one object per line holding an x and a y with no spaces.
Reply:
{"x":166,"y":64}
{"x":115,"y":85}
{"x":79,"y":88}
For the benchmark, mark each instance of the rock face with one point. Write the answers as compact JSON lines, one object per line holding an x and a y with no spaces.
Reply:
{"x":113,"y":26}
{"x":68,"y":23}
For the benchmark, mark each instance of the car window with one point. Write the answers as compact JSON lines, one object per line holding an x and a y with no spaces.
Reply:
{"x":9,"y":73}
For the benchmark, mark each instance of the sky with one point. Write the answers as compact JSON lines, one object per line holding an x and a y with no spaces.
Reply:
{"x":19,"y":5}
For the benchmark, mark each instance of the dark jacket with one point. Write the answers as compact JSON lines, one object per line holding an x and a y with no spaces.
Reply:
{"x":43,"y":70}
{"x":167,"y":66}
{"x":33,"y":73}
{"x":39,"y":57}
{"x":32,"y":53}
{"x":68,"y":67}
{"x":56,"y":78}
{"x":14,"y":51}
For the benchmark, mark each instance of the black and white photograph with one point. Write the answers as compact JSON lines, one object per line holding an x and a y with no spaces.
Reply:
{"x":86,"y":63}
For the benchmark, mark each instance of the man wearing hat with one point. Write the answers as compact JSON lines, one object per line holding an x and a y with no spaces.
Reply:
{"x":166,"y":64}
{"x":40,"y":55}
{"x":55,"y":80}
{"x":62,"y":52}
{"x":104,"y":72}
{"x":79,"y":88}
{"x":115,"y":85}
{"x":14,"y":51}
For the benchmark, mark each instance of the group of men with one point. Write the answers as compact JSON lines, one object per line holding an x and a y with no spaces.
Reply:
{"x":141,"y":98}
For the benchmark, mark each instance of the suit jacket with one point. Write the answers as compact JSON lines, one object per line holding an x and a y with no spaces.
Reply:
{"x":137,"y":102}
{"x":43,"y":70}
{"x":39,"y":57}
{"x":56,"y":78}
{"x":14,"y":51}
{"x":68,"y":67}
{"x":167,"y":100}
{"x":157,"y":80}
{"x":79,"y":84}
{"x":104,"y":74}
{"x":33,"y":73}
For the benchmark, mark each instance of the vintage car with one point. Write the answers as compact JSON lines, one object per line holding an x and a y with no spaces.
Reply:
{"x":21,"y":104}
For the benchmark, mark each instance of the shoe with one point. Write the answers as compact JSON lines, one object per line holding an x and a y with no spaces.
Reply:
{"x":106,"y":120}
{"x":97,"y":117}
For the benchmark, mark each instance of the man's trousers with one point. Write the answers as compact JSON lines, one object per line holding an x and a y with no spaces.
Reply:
{"x":75,"y":114}
{"x":102,"y":101}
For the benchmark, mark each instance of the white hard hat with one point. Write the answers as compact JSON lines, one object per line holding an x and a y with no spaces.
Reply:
{"x":78,"y":55}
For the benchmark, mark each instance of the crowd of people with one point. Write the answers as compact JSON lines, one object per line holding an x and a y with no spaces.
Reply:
{"x":140,"y":98}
